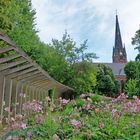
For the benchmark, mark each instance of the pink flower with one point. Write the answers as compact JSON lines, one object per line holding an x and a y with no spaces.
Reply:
{"x":128,"y":104}
{"x":135,"y":108}
{"x":135,"y":97}
{"x":34,"y":106}
{"x":29,"y":134}
{"x":107,"y":107}
{"x":15,"y":125}
{"x":121,"y":97}
{"x":82,"y":96}
{"x":55,"y":137}
{"x":113,"y":112}
{"x":39,"y":118}
{"x":23,"y":125}
{"x":86,"y":107}
{"x":7,"y":109}
{"x":97,"y":110}
{"x":75,"y":123}
{"x":64,"y":101}
{"x":126,"y":109}
{"x":101,"y":125}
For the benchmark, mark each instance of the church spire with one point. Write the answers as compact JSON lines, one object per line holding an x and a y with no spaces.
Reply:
{"x":118,"y":39}
{"x":119,"y":52}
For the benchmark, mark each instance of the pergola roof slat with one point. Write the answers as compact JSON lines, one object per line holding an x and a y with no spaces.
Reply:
{"x":19,"y":68}
{"x":3,"y":50}
{"x":12,"y":64}
{"x":8,"y":58}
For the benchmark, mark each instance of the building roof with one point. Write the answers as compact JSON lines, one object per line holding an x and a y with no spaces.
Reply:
{"x":119,"y":52}
{"x":117,"y":68}
{"x":118,"y":38}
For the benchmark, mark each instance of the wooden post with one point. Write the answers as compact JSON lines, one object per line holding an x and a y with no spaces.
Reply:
{"x":8,"y":92}
{"x":14,"y":97}
{"x":2,"y":85}
{"x":19,"y":97}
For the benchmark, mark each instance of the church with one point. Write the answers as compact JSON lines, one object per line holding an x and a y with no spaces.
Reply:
{"x":119,"y":57}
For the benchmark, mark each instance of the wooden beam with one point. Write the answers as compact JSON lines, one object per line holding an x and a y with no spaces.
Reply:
{"x":3,"y":50}
{"x":17,"y":69}
{"x":27,"y":75}
{"x":9,"y":58}
{"x":15,"y":75}
{"x":12,"y":64}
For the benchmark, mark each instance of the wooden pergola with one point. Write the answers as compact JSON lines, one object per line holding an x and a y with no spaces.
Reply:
{"x":20,"y":75}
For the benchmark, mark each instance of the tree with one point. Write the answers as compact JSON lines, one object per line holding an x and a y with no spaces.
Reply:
{"x":84,"y":78}
{"x":106,"y":83}
{"x":136,"y":40}
{"x":69,"y":65}
{"x":68,"y":49}
{"x":5,"y":22}
{"x":131,"y":70}
{"x":17,"y":20}
{"x":131,"y":88}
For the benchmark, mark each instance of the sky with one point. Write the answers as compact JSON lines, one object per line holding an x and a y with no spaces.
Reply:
{"x":89,"y":19}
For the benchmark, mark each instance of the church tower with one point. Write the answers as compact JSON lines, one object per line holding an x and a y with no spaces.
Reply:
{"x":119,"y":52}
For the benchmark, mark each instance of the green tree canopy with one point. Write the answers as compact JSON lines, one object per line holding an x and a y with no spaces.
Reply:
{"x":136,"y":40}
{"x":63,"y":59}
{"x":106,"y":83}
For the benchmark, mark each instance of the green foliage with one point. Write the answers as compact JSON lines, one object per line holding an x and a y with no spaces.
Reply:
{"x":134,"y":67}
{"x":131,"y":87}
{"x":67,"y":110}
{"x":17,"y":19}
{"x":80,"y":102}
{"x":136,"y":40}
{"x":95,"y":98}
{"x":106,"y":83}
{"x":131,"y":70}
{"x":133,"y":78}
{"x":85,"y":77}
{"x":70,"y":60}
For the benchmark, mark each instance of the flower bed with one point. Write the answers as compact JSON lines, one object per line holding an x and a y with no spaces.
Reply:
{"x":89,"y":117}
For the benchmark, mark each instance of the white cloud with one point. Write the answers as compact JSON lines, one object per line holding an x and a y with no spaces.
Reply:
{"x":90,"y":19}
{"x":128,"y":12}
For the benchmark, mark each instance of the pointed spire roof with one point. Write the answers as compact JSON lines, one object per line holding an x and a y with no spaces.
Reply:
{"x":118,"y":39}
{"x":119,"y":52}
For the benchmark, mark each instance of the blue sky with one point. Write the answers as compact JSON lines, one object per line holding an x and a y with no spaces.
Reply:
{"x":89,"y":19}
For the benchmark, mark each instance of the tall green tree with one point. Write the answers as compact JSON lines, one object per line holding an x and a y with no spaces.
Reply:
{"x":17,"y":20}
{"x":5,"y":22}
{"x":84,"y":77}
{"x":69,"y":65}
{"x":132,"y":70}
{"x":136,"y":40}
{"x":106,"y":83}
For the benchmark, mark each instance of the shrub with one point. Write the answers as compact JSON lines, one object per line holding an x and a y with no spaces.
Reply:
{"x":131,"y":87}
